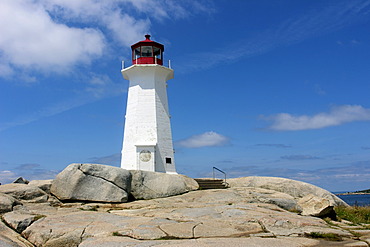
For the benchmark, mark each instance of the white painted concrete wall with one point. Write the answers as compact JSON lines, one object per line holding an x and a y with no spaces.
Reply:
{"x":147,"y":123}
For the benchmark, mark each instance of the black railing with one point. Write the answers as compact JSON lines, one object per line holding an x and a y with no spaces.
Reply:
{"x":214,"y":176}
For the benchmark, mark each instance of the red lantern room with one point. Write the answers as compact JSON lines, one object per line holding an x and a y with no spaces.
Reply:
{"x":147,"y":52}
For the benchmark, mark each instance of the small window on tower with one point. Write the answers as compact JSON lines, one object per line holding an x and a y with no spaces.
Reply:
{"x":168,"y":160}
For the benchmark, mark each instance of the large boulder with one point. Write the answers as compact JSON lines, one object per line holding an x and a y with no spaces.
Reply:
{"x":92,"y":182}
{"x":296,"y":189}
{"x":25,"y":192}
{"x":311,"y":200}
{"x":45,"y":185}
{"x":316,"y":206}
{"x":149,"y":185}
{"x":7,"y":203}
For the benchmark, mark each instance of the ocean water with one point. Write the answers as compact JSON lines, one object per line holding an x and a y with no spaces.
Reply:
{"x":356,"y":200}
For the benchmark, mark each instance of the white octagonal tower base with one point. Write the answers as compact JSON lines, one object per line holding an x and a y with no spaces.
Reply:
{"x":147,"y":140}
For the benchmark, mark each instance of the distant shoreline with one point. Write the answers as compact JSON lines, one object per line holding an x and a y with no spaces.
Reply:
{"x":352,"y":193}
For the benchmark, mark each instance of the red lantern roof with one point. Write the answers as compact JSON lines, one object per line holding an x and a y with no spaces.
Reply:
{"x":147,"y":41}
{"x":147,"y":52}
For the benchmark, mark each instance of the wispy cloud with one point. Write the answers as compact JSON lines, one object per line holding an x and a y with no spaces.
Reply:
{"x":336,"y":116}
{"x":98,"y":86}
{"x":294,"y":30}
{"x":7,"y":176}
{"x":113,"y":160}
{"x":207,"y":139}
{"x":275,"y":145}
{"x":30,"y":172}
{"x":299,"y":157}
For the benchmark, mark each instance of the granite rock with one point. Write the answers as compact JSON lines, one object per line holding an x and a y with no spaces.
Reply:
{"x":92,"y":182}
{"x":149,"y":185}
{"x":24,"y":192}
{"x":45,"y":185}
{"x":7,"y":203}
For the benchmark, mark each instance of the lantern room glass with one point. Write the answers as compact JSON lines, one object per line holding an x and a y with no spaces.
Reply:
{"x":147,"y":51}
{"x":147,"y":54}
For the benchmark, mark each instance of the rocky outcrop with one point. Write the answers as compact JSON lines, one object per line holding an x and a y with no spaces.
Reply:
{"x":45,"y":185}
{"x":203,"y":215}
{"x":7,"y":203}
{"x":9,"y":238}
{"x":92,"y":182}
{"x":21,"y":180}
{"x":149,"y":185}
{"x":247,"y":214}
{"x":25,"y":192}
{"x":316,"y":206}
{"x":305,"y":198}
{"x":19,"y":221}
{"x":101,"y":183}
{"x":296,"y":189}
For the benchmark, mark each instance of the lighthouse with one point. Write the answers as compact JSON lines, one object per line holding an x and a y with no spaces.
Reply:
{"x":147,"y":139}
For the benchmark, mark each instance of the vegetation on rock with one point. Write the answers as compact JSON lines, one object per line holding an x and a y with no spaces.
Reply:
{"x":325,"y":236}
{"x":355,"y":214}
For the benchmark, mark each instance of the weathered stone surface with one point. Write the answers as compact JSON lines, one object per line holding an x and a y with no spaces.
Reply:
{"x":24,"y":192}
{"x":92,"y":182}
{"x":190,"y":183}
{"x":316,"y":206}
{"x":202,"y":242}
{"x":238,"y":216}
{"x":305,"y":198}
{"x":21,"y":180}
{"x":19,"y":221}
{"x":7,"y":203}
{"x":9,"y":238}
{"x":149,"y":185}
{"x":198,"y":217}
{"x":280,"y":199}
{"x":296,"y":189}
{"x":45,"y":185}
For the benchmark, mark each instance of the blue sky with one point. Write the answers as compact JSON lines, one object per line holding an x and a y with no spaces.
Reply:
{"x":261,"y":88}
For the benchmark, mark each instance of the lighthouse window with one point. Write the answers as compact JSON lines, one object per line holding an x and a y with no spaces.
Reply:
{"x":168,"y":160}
{"x":146,"y":51}
{"x":137,"y":51}
{"x":156,"y":52}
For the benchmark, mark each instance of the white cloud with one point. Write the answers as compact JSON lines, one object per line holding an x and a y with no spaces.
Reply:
{"x":337,"y":116}
{"x":31,"y":39}
{"x":55,"y":35}
{"x":207,"y":139}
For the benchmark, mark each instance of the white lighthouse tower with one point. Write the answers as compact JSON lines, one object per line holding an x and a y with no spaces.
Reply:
{"x":147,"y":141}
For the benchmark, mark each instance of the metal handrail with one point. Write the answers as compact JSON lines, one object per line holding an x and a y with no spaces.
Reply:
{"x":215,"y":168}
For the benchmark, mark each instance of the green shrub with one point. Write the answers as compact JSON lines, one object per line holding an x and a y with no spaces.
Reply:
{"x":325,"y":236}
{"x":356,"y":214}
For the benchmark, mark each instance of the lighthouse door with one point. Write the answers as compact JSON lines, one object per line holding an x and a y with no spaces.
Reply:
{"x":146,"y":158}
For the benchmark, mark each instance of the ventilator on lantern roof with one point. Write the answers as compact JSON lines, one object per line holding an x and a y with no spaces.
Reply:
{"x":147,"y":52}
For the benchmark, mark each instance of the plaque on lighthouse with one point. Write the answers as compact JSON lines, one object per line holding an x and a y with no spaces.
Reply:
{"x":147,"y":139}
